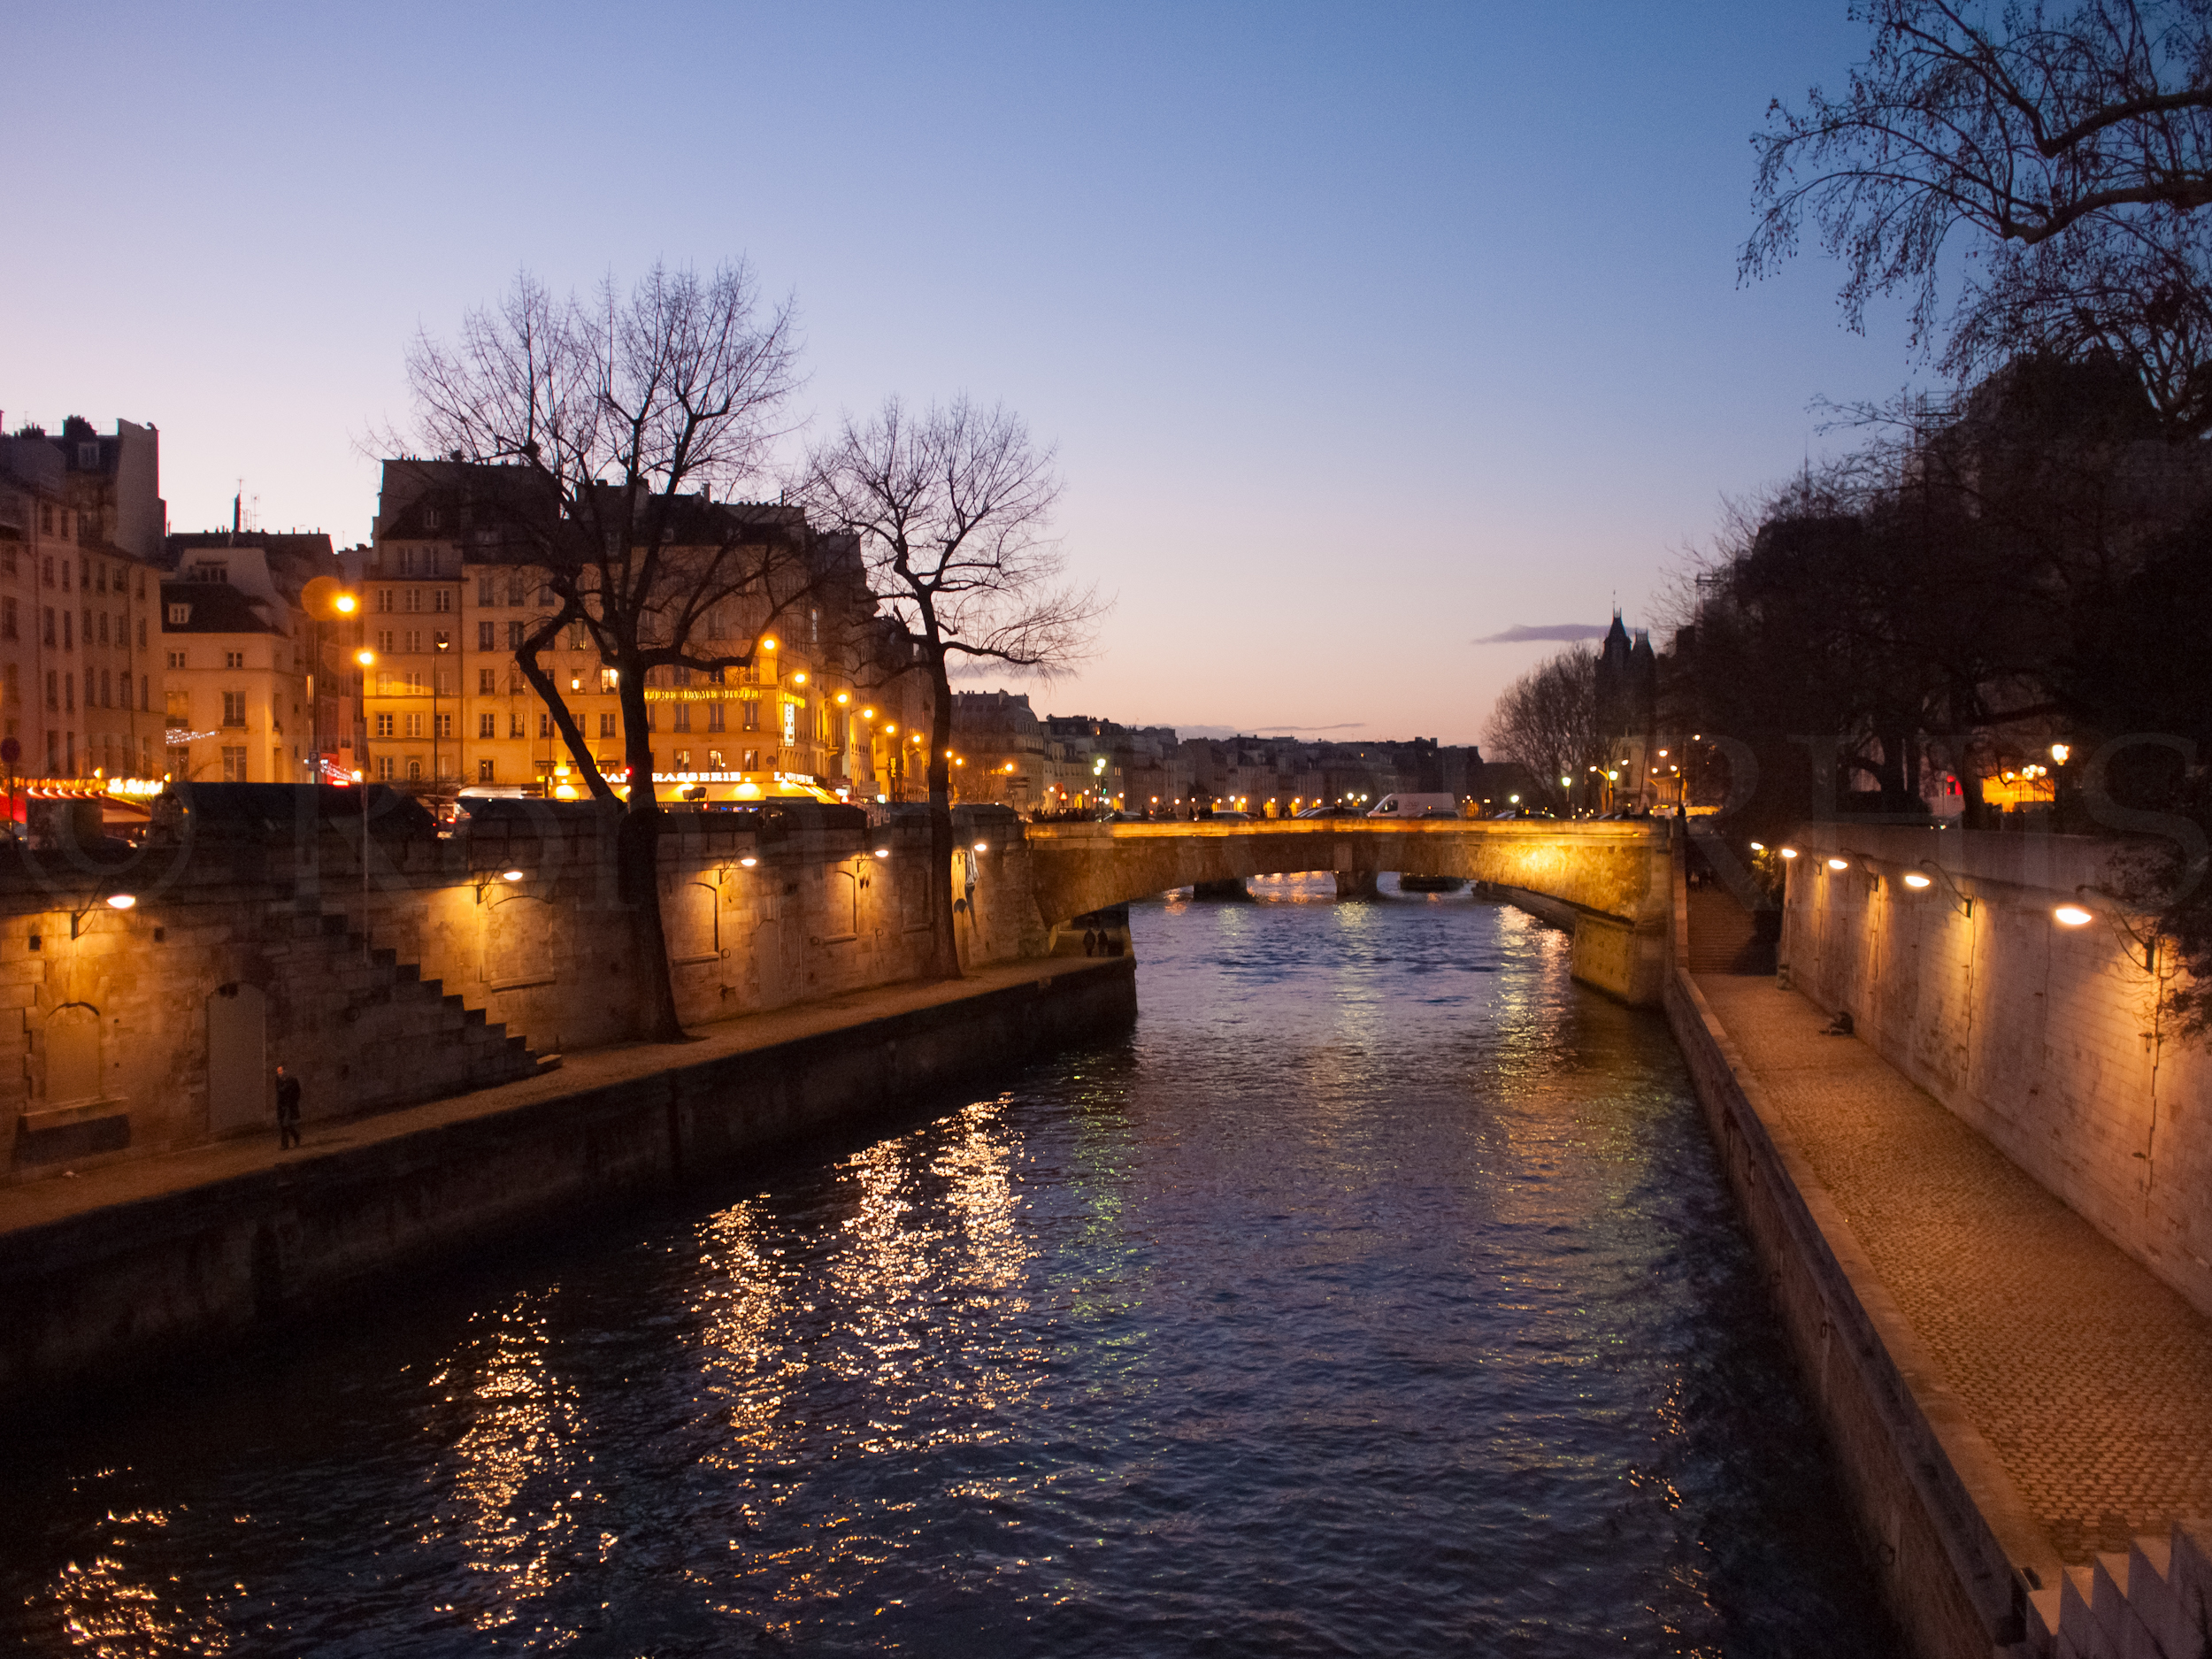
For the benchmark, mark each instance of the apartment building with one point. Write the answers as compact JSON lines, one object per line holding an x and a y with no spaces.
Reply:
{"x":238,"y":651}
{"x":78,"y":674}
{"x":449,"y":601}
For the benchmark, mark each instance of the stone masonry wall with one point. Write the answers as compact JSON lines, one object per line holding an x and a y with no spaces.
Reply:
{"x":435,"y":975}
{"x":2047,"y":1039}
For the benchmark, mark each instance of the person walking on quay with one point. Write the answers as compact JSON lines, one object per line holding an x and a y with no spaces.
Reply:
{"x":287,"y":1109}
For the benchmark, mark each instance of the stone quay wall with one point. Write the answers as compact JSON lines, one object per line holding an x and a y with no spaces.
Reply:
{"x":2047,"y":1039}
{"x":96,"y":1298}
{"x":422,"y":970}
{"x":1946,"y":1546}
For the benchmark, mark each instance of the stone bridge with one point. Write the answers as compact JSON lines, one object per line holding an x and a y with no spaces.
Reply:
{"x":1608,"y":882}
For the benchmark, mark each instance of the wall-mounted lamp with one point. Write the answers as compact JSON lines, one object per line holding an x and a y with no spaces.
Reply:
{"x":490,"y":876}
{"x":2072,"y":916}
{"x":1838,"y":863}
{"x":1789,"y":852}
{"x":983,"y":847}
{"x":1929,"y":869}
{"x":747,"y":862}
{"x":1758,"y":846}
{"x":883,"y":852}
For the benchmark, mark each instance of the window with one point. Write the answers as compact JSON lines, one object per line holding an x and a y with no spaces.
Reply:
{"x":714,"y":760}
{"x":752,"y":714}
{"x":488,"y":682}
{"x":790,"y":722}
{"x":384,"y":769}
{"x":69,"y":697}
{"x":413,"y":600}
{"x":107,"y":687}
{"x":752,"y":761}
{"x":514,"y":726}
{"x":384,"y":726}
{"x":514,"y":636}
{"x":446,"y":677}
{"x":145,"y":693}
{"x":14,"y":692}
{"x":487,"y":636}
{"x":606,"y":726}
{"x":7,"y":619}
{"x":384,"y":599}
{"x":100,"y":577}
{"x":53,"y":690}
{"x":683,"y":760}
{"x":444,"y":723}
{"x":414,"y":636}
{"x":484,"y":772}
{"x":414,"y":769}
{"x":485,"y":595}
{"x":514,"y":590}
{"x":234,"y":659}
{"x":717,"y":712}
{"x":609,"y":680}
{"x":545,"y":725}
{"x":176,"y":659}
{"x":576,"y":640}
{"x":233,"y":708}
{"x":442,"y":600}
{"x":235,"y":765}
{"x":46,"y":527}
{"x":414,"y":725}
{"x":487,"y":726}
{"x":407,"y":558}
{"x":179,"y":615}
{"x":682,"y":722}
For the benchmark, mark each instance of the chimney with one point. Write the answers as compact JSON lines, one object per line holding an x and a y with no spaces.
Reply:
{"x":237,"y":506}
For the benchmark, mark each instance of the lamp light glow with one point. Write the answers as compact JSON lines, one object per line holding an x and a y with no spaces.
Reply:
{"x":1914,"y":879}
{"x":2071,"y":915}
{"x":883,"y":852}
{"x":121,"y":901}
{"x":1789,"y":852}
{"x":747,"y":861}
{"x":1838,"y":863}
{"x":510,"y":875}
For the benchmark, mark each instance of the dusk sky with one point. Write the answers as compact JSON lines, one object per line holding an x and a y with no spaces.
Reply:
{"x":1363,"y":332}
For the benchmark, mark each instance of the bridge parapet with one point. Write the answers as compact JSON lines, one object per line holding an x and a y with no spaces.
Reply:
{"x":1610,"y":881}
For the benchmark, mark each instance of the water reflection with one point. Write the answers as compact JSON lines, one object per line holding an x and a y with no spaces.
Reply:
{"x":1380,"y":1295}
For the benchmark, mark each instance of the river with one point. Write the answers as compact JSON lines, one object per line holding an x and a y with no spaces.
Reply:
{"x":1379,"y":1294}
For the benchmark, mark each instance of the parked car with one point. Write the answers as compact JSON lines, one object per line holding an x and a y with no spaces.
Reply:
{"x":1415,"y":805}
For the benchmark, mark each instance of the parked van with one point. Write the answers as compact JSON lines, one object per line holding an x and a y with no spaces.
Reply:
{"x":1413,"y":805}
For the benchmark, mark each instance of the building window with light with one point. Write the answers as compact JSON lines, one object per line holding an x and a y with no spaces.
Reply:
{"x":484,"y":771}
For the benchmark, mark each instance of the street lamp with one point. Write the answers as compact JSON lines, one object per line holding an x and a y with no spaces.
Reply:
{"x":325,"y":601}
{"x":445,"y":643}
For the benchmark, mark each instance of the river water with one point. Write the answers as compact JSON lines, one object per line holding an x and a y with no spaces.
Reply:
{"x":1379,"y":1294}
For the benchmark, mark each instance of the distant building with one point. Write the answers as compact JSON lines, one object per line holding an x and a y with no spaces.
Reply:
{"x":80,"y":525}
{"x":237,"y":647}
{"x":1628,"y":717}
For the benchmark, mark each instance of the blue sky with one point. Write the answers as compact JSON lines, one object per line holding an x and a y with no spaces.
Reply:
{"x":1363,"y":331}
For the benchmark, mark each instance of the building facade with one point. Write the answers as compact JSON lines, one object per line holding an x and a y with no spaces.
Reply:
{"x":79,"y":680}
{"x":449,"y":601}
{"x":238,"y":657}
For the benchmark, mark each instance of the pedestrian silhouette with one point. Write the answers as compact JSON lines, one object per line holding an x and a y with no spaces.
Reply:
{"x":287,"y":1109}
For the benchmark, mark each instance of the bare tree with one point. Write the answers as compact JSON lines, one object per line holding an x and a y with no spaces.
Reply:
{"x":2071,"y":144}
{"x":952,"y":505}
{"x":1547,"y":720}
{"x":609,"y":436}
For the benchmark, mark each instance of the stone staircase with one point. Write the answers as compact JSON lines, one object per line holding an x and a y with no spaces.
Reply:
{"x":2153,"y":1602}
{"x":1724,"y":936}
{"x":405,"y":1039}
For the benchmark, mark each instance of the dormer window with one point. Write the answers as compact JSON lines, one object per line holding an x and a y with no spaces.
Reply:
{"x":210,"y":572}
{"x":89,"y":456}
{"x":179,"y":615}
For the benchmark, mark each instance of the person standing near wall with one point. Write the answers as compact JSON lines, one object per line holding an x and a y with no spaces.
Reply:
{"x":287,"y":1104}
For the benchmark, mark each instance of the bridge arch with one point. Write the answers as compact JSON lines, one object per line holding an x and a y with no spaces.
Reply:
{"x":1609,"y":882}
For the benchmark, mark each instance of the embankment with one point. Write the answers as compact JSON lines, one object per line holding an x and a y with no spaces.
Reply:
{"x":163,"y":1256}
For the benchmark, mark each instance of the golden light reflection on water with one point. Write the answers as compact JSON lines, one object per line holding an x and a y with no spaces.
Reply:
{"x":896,"y":1325}
{"x":509,"y":1483}
{"x":108,"y":1609}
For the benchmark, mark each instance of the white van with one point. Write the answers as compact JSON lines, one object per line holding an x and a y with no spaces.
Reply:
{"x":1413,"y":805}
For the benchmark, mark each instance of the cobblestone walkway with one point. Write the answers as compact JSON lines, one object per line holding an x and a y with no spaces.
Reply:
{"x":2089,"y":1378}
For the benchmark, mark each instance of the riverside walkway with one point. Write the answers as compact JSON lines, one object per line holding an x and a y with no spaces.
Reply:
{"x":2089,"y":1379}
{"x":61,"y":1197}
